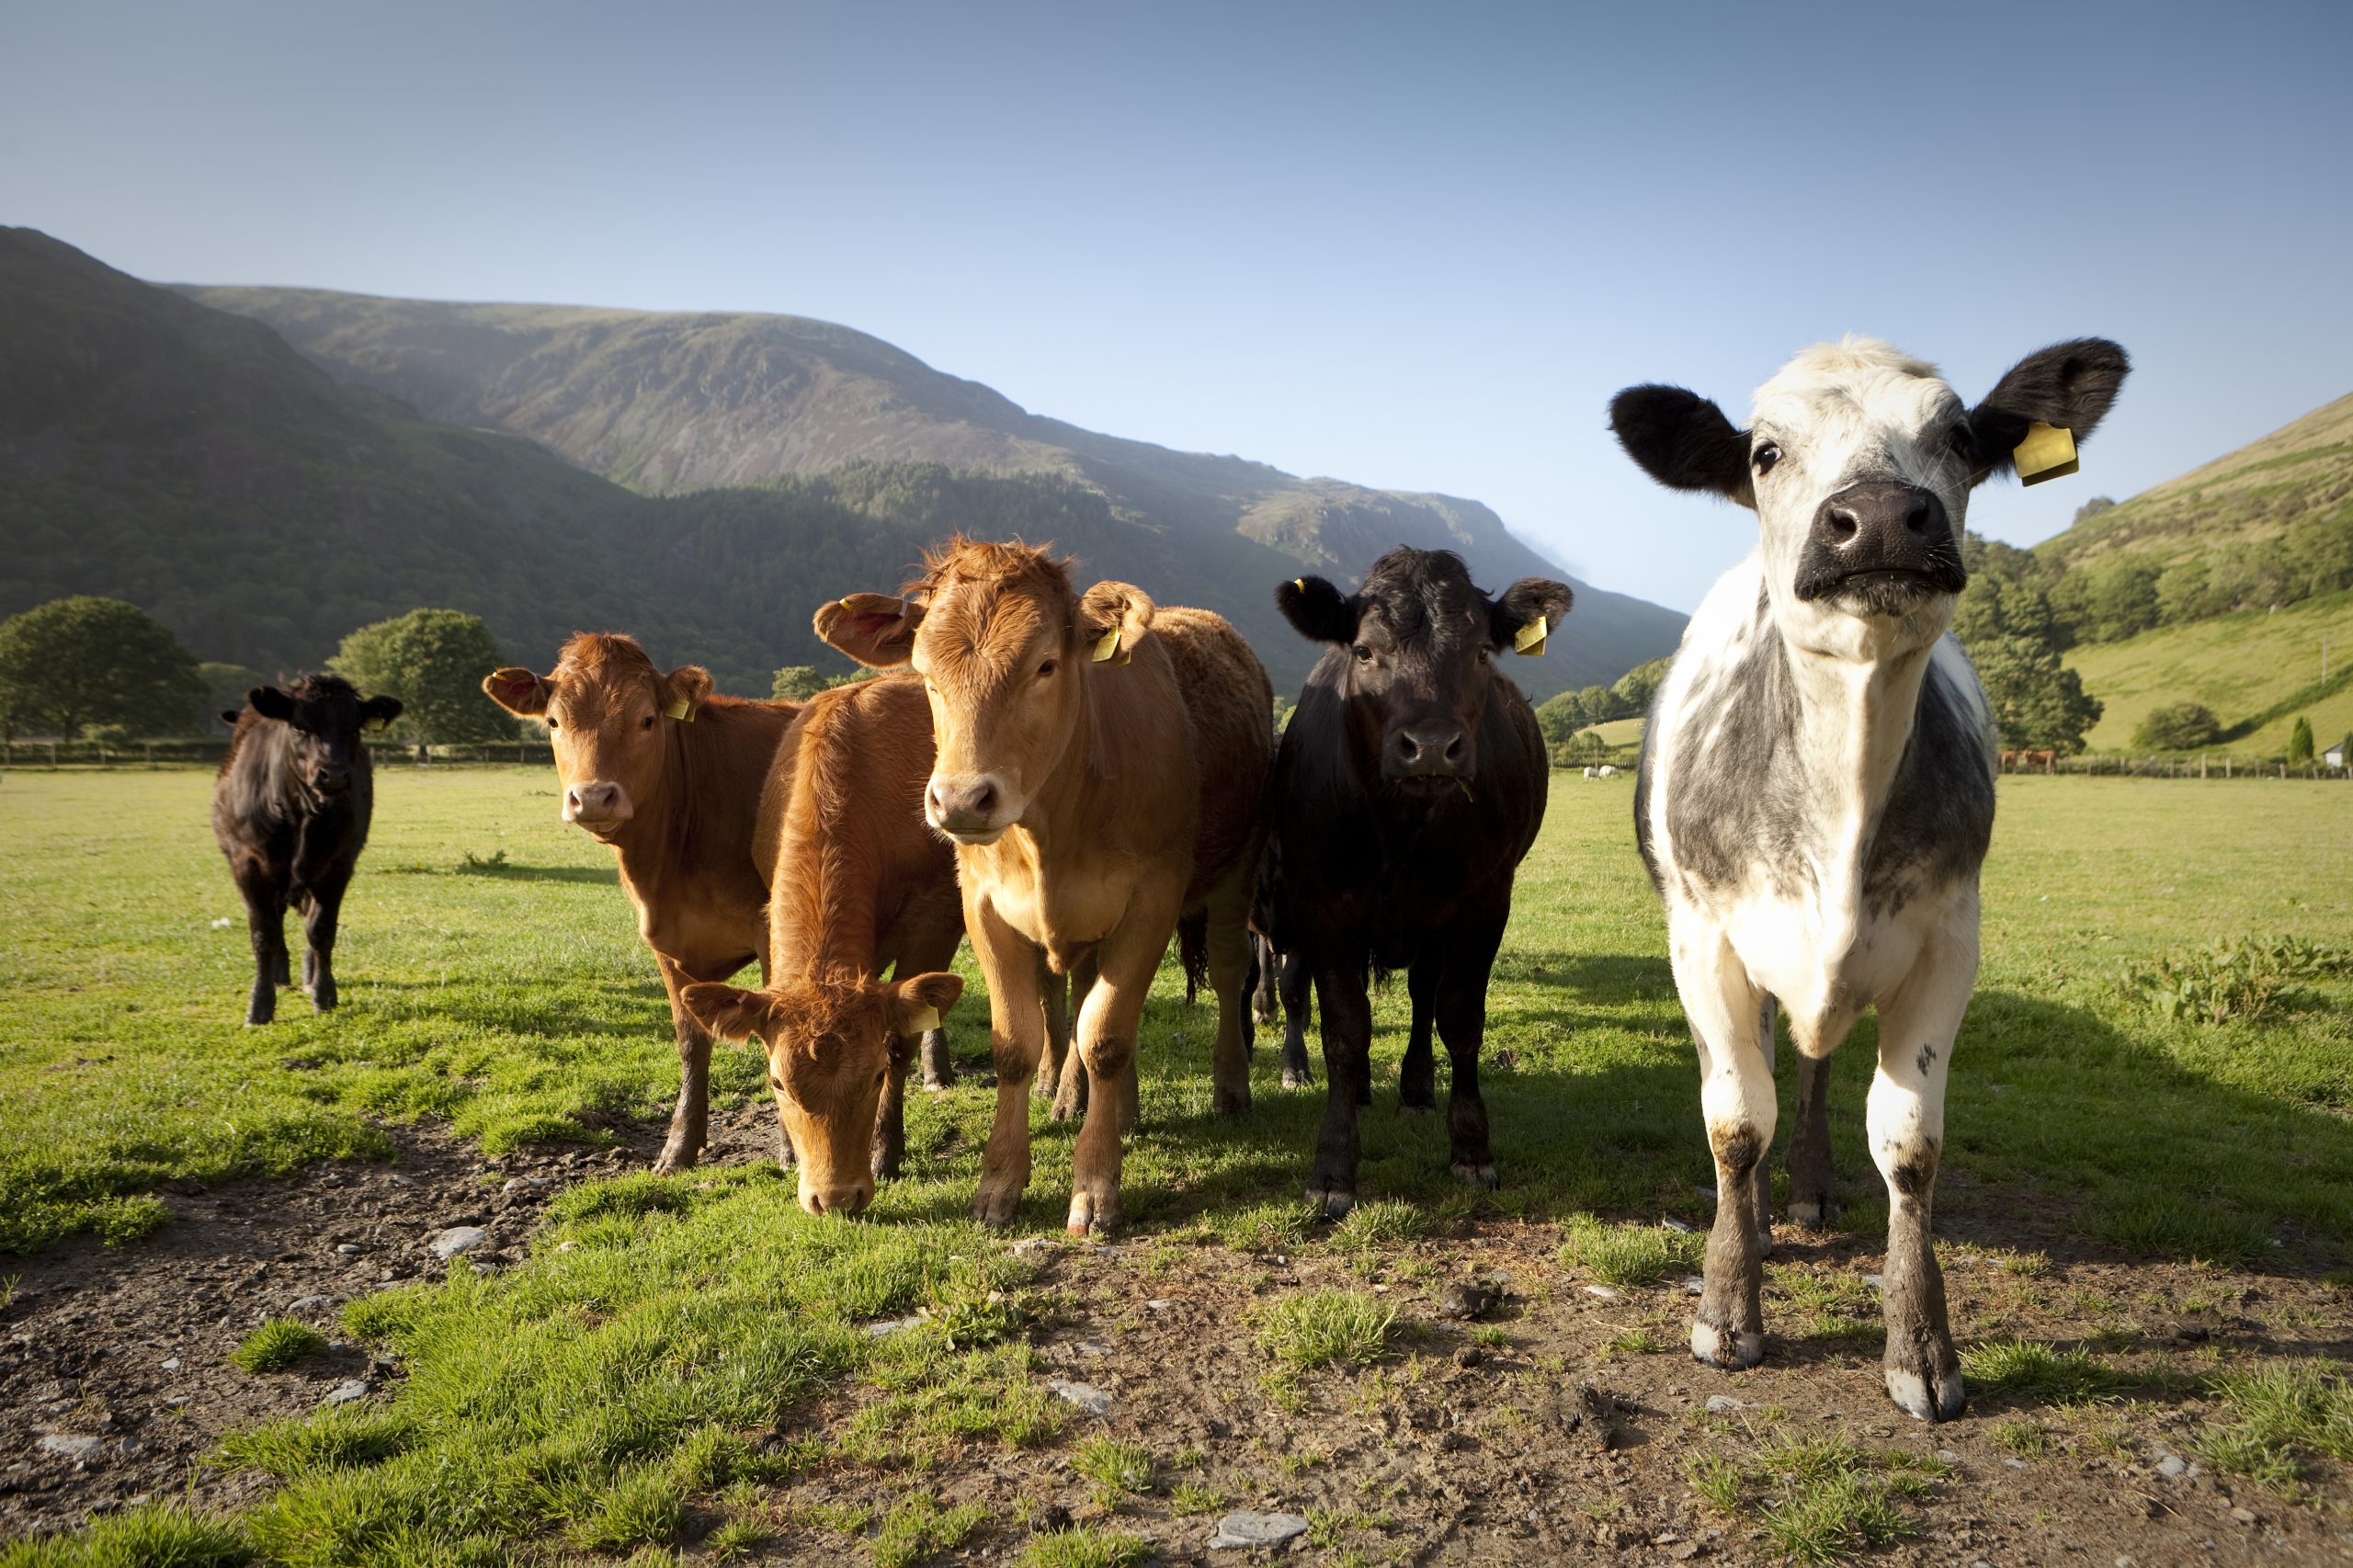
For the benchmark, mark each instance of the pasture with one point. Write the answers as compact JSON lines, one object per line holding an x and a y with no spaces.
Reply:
{"x":2145,"y":1216}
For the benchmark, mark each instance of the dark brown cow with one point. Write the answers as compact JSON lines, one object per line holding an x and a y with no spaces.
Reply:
{"x":1101,"y":766}
{"x":860,"y":884}
{"x":670,"y":775}
{"x":290,"y":809}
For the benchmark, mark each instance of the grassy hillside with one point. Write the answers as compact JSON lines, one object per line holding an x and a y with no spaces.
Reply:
{"x":2239,"y":665}
{"x":669,"y":403}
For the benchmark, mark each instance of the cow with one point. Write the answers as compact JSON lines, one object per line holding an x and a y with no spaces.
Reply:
{"x":670,"y":775}
{"x":1815,"y":792}
{"x":291,"y":810}
{"x":1409,"y":786}
{"x":858,"y":882}
{"x":1101,"y":769}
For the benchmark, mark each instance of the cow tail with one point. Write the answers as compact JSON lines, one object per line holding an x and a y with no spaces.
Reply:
{"x":1193,"y":950}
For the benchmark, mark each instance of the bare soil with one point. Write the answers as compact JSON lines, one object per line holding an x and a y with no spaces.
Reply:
{"x":1566,"y":1441}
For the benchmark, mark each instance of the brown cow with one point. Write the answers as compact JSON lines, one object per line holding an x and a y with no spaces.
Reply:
{"x":1101,"y":765}
{"x":670,"y":776}
{"x":858,"y":883}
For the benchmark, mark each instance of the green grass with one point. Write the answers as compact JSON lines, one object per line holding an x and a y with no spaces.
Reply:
{"x":691,"y":1314}
{"x":1630,"y":1254}
{"x":918,"y":1526}
{"x":1117,"y":1469}
{"x":2239,"y":664}
{"x":2039,"y":1372}
{"x":277,"y":1345}
{"x":168,"y":1534}
{"x":1818,"y":1499}
{"x":1084,"y":1546}
{"x":2282,"y":1416}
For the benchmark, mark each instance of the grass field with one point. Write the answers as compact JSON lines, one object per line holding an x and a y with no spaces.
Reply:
{"x":2238,"y":665}
{"x":492,"y":978}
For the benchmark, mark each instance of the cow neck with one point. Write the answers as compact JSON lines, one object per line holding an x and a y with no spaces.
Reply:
{"x":664,"y":840}
{"x":1078,"y":791}
{"x":822,"y":900}
{"x":1855,"y":719}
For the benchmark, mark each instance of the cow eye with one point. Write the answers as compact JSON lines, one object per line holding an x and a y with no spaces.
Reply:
{"x":1765,"y":456}
{"x":878,"y":1077}
{"x":1964,"y":439}
{"x":1048,"y":667}
{"x":1363,"y":654}
{"x":553,"y":726}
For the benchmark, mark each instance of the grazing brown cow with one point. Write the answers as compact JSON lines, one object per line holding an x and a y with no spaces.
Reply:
{"x":1101,"y":764}
{"x":859,"y":882}
{"x":670,"y":776}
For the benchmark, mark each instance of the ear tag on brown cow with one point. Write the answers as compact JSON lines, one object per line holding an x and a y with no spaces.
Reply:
{"x":1529,"y":639}
{"x":680,"y":711}
{"x":928,"y":1019}
{"x":1108,"y":649}
{"x":2048,"y":453}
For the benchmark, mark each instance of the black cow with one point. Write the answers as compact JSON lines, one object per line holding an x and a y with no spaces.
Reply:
{"x":290,"y":811}
{"x":1408,"y":786}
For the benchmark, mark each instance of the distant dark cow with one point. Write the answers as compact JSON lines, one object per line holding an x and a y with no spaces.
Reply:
{"x":669,"y":774}
{"x":1409,"y":786}
{"x":291,"y":810}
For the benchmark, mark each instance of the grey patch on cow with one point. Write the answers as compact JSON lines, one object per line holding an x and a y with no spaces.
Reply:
{"x":1940,"y":814}
{"x":1926,"y":1059}
{"x":1087,"y":1397}
{"x":1741,"y":799}
{"x":1245,"y":1528}
{"x":1916,"y":1178}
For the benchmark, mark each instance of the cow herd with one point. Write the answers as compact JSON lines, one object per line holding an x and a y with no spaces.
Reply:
{"x":1070,"y":778}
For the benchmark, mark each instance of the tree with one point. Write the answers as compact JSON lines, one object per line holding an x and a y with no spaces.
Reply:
{"x":433,"y":660}
{"x":2094,"y":507}
{"x":1636,"y":687}
{"x":73,"y":665}
{"x":797,"y":683}
{"x":224,"y":689}
{"x":2300,"y":741}
{"x":2179,"y":726}
{"x":2037,"y":702}
{"x":2123,"y":600}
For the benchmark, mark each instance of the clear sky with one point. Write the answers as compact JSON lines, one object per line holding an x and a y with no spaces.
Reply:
{"x":1415,"y":247}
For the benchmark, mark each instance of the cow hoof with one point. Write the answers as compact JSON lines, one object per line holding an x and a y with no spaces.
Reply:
{"x":998,"y":1201}
{"x":1418,"y":1108}
{"x":1730,"y":1351}
{"x":1813,"y":1214}
{"x":1477,"y":1174}
{"x":1092,"y":1216}
{"x":675,"y":1157}
{"x":1925,"y":1399}
{"x":1297,"y":1080}
{"x":1332,"y":1202}
{"x":1230,"y":1102}
{"x":253,"y":1022}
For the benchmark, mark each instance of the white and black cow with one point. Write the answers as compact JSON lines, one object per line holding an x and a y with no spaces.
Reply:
{"x":1816,"y":788}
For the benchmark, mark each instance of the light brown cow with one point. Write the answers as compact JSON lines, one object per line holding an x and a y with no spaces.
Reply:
{"x":1101,"y":766}
{"x":857,"y":884}
{"x":670,"y":776}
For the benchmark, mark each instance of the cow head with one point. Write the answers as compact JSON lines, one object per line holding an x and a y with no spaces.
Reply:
{"x":830,"y":1046}
{"x":1858,"y":461}
{"x":607,"y":710}
{"x":325,"y":717}
{"x":1004,"y":649}
{"x":1419,"y":645}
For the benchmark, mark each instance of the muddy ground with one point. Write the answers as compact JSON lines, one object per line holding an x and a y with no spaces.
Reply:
{"x":1547,"y":1430}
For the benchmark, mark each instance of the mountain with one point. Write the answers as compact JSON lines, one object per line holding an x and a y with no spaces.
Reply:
{"x":676,"y":403}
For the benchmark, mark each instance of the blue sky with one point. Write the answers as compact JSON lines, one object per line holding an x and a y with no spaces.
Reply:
{"x":1410,"y":247}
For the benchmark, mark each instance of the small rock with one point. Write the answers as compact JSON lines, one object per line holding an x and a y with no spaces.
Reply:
{"x":222,"y":924}
{"x":350,"y":1249}
{"x":1469,"y":1356}
{"x":1723,"y":1404}
{"x":1088,"y":1347}
{"x":2014,"y":1464}
{"x":346,"y":1392}
{"x":1876,"y":1282}
{"x":1685,"y":1550}
{"x":173,"y":1365}
{"x":2172,"y":1466}
{"x":1949,"y":1456}
{"x":310,"y":1303}
{"x":1707,"y":1192}
{"x":70,"y":1445}
{"x":1087,"y":1397}
{"x":1158,"y":1305}
{"x":1678,"y":1227}
{"x":1465,"y":1300}
{"x":1030,"y":1246}
{"x":449,"y":1244}
{"x":2243,"y":1515}
{"x":1604,"y":1292}
{"x":1694,"y":1284}
{"x":1051,"y":1519}
{"x":175,"y":1401}
{"x":1245,"y":1528}
{"x":889,"y":1326}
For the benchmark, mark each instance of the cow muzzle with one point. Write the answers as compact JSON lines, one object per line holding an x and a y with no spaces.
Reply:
{"x":1434,"y":753}
{"x":970,"y":809}
{"x":841,"y":1200}
{"x":600,"y":807}
{"x":1887,"y":546}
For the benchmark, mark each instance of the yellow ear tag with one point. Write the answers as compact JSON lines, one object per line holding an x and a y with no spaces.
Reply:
{"x":1108,"y":649}
{"x":1529,"y":639}
{"x":926,"y":1019}
{"x":1300,"y":583}
{"x":680,"y":711}
{"x":2048,"y":453}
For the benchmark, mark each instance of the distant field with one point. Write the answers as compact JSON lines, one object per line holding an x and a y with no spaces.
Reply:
{"x":1620,"y":731}
{"x":2237,"y":664}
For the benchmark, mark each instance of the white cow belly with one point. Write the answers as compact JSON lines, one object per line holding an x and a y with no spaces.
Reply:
{"x":1824,"y":962}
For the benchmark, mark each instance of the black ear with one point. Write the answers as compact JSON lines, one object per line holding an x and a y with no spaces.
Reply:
{"x":229,"y":717}
{"x":2071,"y":385}
{"x":1521,"y":604}
{"x":1317,"y":610}
{"x":1682,"y":440}
{"x":381,"y":709}
{"x":271,"y":703}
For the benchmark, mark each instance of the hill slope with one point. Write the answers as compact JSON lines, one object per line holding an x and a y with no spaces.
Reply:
{"x":2240,"y":665}
{"x":669,"y":403}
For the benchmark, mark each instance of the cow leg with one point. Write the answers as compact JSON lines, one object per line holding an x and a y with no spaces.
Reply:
{"x":319,"y":926}
{"x":1011,"y":964}
{"x":690,"y":1119}
{"x":266,"y":929}
{"x":1736,"y":1095}
{"x":939,"y":1067}
{"x":1916,"y":1028}
{"x":890,"y":1147}
{"x":1347,"y":1015}
{"x":1070,"y":1086}
{"x":1810,"y":1203}
{"x":1294,"y":985}
{"x":1461,"y":1005}
{"x":1228,"y":952}
{"x":1265,"y":980}
{"x":1418,"y":1077}
{"x":1124,"y":965}
{"x":1053,"y":992}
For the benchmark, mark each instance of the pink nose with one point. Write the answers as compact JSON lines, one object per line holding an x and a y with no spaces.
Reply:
{"x":595,"y":802}
{"x":963,"y":805}
{"x":839,"y":1199}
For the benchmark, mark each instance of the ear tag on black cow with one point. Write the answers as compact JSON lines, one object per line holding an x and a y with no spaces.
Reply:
{"x":379,"y":725}
{"x":928,"y":1019}
{"x":680,"y":711}
{"x":2048,"y":453}
{"x":1108,"y":649}
{"x":1529,"y":639}
{"x":1300,"y":583}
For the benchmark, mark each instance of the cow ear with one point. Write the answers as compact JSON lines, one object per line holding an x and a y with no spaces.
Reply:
{"x":876,"y":629}
{"x":271,"y":703}
{"x":919,"y":1004}
{"x":229,"y":716}
{"x":683,"y":691}
{"x":1682,"y":440}
{"x":1528,"y":612}
{"x":380,"y":710}
{"x":1112,"y":616}
{"x":1317,"y":610}
{"x":727,"y":1012}
{"x":519,"y":691}
{"x":2068,"y":385}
